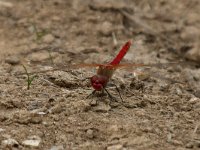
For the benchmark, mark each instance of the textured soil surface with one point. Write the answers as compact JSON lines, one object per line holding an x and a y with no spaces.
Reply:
{"x":161,"y":104}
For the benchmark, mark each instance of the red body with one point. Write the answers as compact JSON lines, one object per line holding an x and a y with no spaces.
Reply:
{"x":105,"y":72}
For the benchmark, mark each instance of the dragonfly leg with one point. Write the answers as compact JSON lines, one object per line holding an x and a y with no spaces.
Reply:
{"x":110,"y":96}
{"x":91,"y":94}
{"x":118,"y":92}
{"x":117,"y":89}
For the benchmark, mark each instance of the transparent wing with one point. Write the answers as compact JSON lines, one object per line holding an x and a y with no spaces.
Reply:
{"x":128,"y":66}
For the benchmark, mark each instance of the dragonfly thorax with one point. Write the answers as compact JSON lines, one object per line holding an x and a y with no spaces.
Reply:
{"x":99,"y":82}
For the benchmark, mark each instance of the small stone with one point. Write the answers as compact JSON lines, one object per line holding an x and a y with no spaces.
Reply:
{"x":93,"y":102}
{"x":190,"y":33}
{"x":6,"y":4}
{"x":115,"y":147}
{"x":35,"y":120}
{"x":197,"y":93}
{"x":90,"y":133}
{"x":60,"y":147}
{"x":106,"y":28}
{"x":32,"y":141}
{"x":13,"y":60}
{"x":194,"y":100}
{"x":109,"y":5}
{"x":189,"y":145}
{"x":178,"y":91}
{"x":101,"y":107}
{"x":194,"y":53}
{"x":114,"y":128}
{"x":38,"y":57}
{"x":1,"y":129}
{"x":49,"y":38}
{"x":41,"y":113}
{"x":82,"y":105}
{"x":56,"y":18}
{"x":10,"y":142}
{"x":141,"y":76}
{"x":177,"y":143}
{"x":57,"y":109}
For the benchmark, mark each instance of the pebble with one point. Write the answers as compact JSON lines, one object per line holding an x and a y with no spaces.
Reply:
{"x":60,"y":147}
{"x":176,"y":142}
{"x":49,"y":38}
{"x":190,"y":33}
{"x":109,"y":5}
{"x":194,"y":53}
{"x":194,"y":100}
{"x":90,"y":133}
{"x":189,"y":145}
{"x":93,"y":102}
{"x":193,"y":144}
{"x":32,"y":141}
{"x":115,"y":147}
{"x":39,"y":56}
{"x":106,"y":28}
{"x":101,"y":107}
{"x":13,"y":60}
{"x":197,"y":93}
{"x":82,"y":106}
{"x":10,"y":142}
{"x":6,"y":4}
{"x":57,"y":109}
{"x":113,"y":128}
{"x":1,"y":129}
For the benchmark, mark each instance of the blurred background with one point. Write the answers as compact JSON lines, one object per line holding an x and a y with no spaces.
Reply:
{"x":85,"y":28}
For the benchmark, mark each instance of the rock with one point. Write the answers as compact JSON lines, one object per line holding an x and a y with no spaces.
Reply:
{"x":10,"y":142}
{"x":63,"y":79}
{"x":1,"y":129}
{"x":57,"y":109}
{"x":60,"y":147}
{"x":189,"y":145}
{"x":192,"y":18}
{"x":191,"y":33}
{"x":13,"y":60}
{"x":32,"y":141}
{"x":194,"y":100}
{"x":90,"y":133}
{"x":115,"y":147}
{"x":197,"y":93}
{"x":82,"y":106}
{"x":49,"y":38}
{"x":176,"y":142}
{"x":194,"y":53}
{"x":39,"y":56}
{"x":106,"y":28}
{"x":6,"y":4}
{"x":114,"y":128}
{"x":56,"y":18}
{"x":109,"y":5}
{"x":93,"y":102}
{"x":102,"y":107}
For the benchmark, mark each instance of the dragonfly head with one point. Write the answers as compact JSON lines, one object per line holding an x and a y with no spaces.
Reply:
{"x":99,"y":82}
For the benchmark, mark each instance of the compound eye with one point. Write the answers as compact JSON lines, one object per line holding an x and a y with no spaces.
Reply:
{"x":94,"y":79}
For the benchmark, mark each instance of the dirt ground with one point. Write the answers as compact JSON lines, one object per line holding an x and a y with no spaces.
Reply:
{"x":159,"y":111}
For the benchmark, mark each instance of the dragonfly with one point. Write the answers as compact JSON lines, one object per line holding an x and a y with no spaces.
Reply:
{"x":104,"y":73}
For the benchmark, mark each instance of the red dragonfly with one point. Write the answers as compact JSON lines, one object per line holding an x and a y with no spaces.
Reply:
{"x":105,"y":71}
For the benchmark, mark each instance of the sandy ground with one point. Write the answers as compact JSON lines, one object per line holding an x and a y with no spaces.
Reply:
{"x":161,"y":104}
